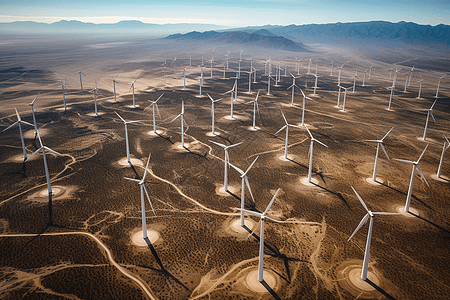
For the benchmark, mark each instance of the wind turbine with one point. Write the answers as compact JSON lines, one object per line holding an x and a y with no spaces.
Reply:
{"x":309,"y":66}
{"x":143,"y":189}
{"x":155,"y":105}
{"x":446,"y":146}
{"x":81,"y":81}
{"x":315,"y":85}
{"x":182,"y":123}
{"x":410,"y":75}
{"x":331,"y":67}
{"x":244,"y":181}
{"x":364,"y":77}
{"x":345,"y":96}
{"x":47,"y":175}
{"x":287,"y":134}
{"x":132,"y":87}
{"x":268,"y":84}
{"x":165,"y":67}
{"x":34,"y":117}
{"x":293,"y":86}
{"x":390,"y":97}
{"x":354,"y":80}
{"x":231,"y":103}
{"x":379,"y":144}
{"x":250,"y":81}
{"x":19,"y":122}
{"x":184,"y":78}
{"x":311,"y":145}
{"x":429,"y":112}
{"x":255,"y":108}
{"x":370,"y":71}
{"x":95,"y":91}
{"x":212,"y":59}
{"x":227,"y":58}
{"x":254,"y":75}
{"x":173,"y":63}
{"x":370,"y":215}
{"x":339,"y":75}
{"x":303,"y":108}
{"x":64,"y":95}
{"x":297,"y":65}
{"x":126,"y":135}
{"x":202,"y":57}
{"x":439,"y":83}
{"x":415,"y":165}
{"x":420,"y":86}
{"x":261,"y":238}
{"x":114,"y":85}
{"x":212,"y":111}
{"x":227,"y":162}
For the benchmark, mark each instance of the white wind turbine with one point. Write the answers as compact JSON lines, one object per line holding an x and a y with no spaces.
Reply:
{"x":114,"y":86}
{"x":303,"y":107}
{"x":47,"y":174}
{"x":354,"y":80}
{"x":429,"y":113}
{"x":81,"y":81}
{"x":64,"y":95}
{"x":446,"y":146}
{"x":410,"y":76}
{"x":143,"y":190}
{"x":287,"y":134}
{"x":184,"y":78}
{"x":331,"y":67}
{"x":19,"y":122}
{"x":34,"y":117}
{"x":182,"y":123}
{"x":250,"y":81}
{"x":370,"y":71}
{"x":126,"y":135}
{"x":339,"y":75}
{"x":165,"y":67}
{"x":227,"y":58}
{"x":254,"y":75}
{"x":439,"y":83}
{"x":261,"y":238}
{"x":420,"y":86}
{"x":390,"y":97}
{"x":154,"y":105}
{"x":212,"y":111}
{"x":268,"y":84}
{"x":297,"y":65}
{"x":202,"y":57}
{"x":227,"y":162}
{"x":370,"y":215}
{"x":293,"y":86}
{"x":315,"y":85}
{"x":212,"y":59}
{"x":232,"y":99}
{"x":95,"y":91}
{"x":255,"y":108}
{"x":244,"y":181}
{"x":379,"y":144}
{"x":311,"y":145}
{"x":309,"y":66}
{"x":345,"y":96}
{"x":364,"y":77}
{"x":132,"y":87}
{"x":173,"y":63}
{"x":415,"y":165}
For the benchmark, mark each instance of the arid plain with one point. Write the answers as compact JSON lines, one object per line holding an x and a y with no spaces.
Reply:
{"x":94,"y":249}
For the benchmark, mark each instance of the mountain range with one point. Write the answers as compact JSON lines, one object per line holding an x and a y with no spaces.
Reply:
{"x":259,"y":38}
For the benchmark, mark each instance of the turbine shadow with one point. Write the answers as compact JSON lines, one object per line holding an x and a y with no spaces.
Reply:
{"x":270,"y":290}
{"x":412,"y":196}
{"x":428,"y":221}
{"x":379,"y":289}
{"x":46,"y":227}
{"x":198,"y":154}
{"x":162,"y":269}
{"x":297,"y":163}
{"x":339,"y":195}
{"x":134,"y":170}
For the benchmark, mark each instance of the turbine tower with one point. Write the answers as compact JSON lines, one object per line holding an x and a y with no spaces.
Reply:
{"x":255,"y":108}
{"x":155,"y":105}
{"x":311,"y":145}
{"x":415,"y":166}
{"x":182,"y":123}
{"x":81,"y":81}
{"x":370,"y":215}
{"x":420,"y":86}
{"x":261,"y":238}
{"x":227,"y":162}
{"x":303,"y":108}
{"x":19,"y":122}
{"x":126,"y":135}
{"x":429,"y":113}
{"x":47,"y":176}
{"x":95,"y":91}
{"x":114,"y":86}
{"x":446,"y":146}
{"x":287,"y":134}
{"x":34,"y":116}
{"x":345,"y":96}
{"x":379,"y":144}
{"x":64,"y":95}
{"x":132,"y":87}
{"x":244,"y":181}
{"x":439,"y":83}
{"x":293,"y":86}
{"x":143,"y":189}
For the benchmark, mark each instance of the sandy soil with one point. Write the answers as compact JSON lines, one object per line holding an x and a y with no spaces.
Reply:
{"x":198,"y":249}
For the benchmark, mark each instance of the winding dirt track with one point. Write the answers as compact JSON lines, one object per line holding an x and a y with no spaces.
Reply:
{"x":124,"y":271}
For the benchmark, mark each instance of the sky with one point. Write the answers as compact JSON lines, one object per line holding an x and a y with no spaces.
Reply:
{"x":230,"y":13}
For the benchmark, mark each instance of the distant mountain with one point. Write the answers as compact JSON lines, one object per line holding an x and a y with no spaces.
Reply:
{"x":259,"y":38}
{"x":120,"y":29}
{"x":405,"y":32}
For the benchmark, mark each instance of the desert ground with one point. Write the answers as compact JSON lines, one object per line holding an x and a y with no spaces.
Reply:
{"x":196,"y":249}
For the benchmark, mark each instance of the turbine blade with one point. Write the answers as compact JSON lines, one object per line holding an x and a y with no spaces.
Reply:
{"x":448,"y":143}
{"x":387,"y":134}
{"x":386,"y":213}
{"x":32,"y":103}
{"x":34,"y":153}
{"x":431,"y":114}
{"x":251,"y":212}
{"x":421,"y":174}
{"x":17,"y":113}
{"x":219,"y":144}
{"x":248,"y":169}
{"x":248,"y":187}
{"x":423,"y":152}
{"x":384,"y":150}
{"x":146,"y":167}
{"x":433,"y":104}
{"x":280,"y":129}
{"x":210,"y":97}
{"x":404,"y":160}
{"x":361,"y":200}
{"x":321,"y":143}
{"x":284,"y":118}
{"x":148,"y":198}
{"x":271,"y":202}
{"x":234,"y":145}
{"x":12,"y":125}
{"x":120,"y":117}
{"x":132,"y":179}
{"x":25,"y":122}
{"x":159,"y":98}
{"x":237,"y":169}
{"x":363,"y":221}
{"x":51,"y":150}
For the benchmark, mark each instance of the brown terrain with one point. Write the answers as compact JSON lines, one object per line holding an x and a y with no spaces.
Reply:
{"x":194,"y":251}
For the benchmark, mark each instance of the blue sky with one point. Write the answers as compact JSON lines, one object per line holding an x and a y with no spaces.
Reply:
{"x":228,"y":12}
